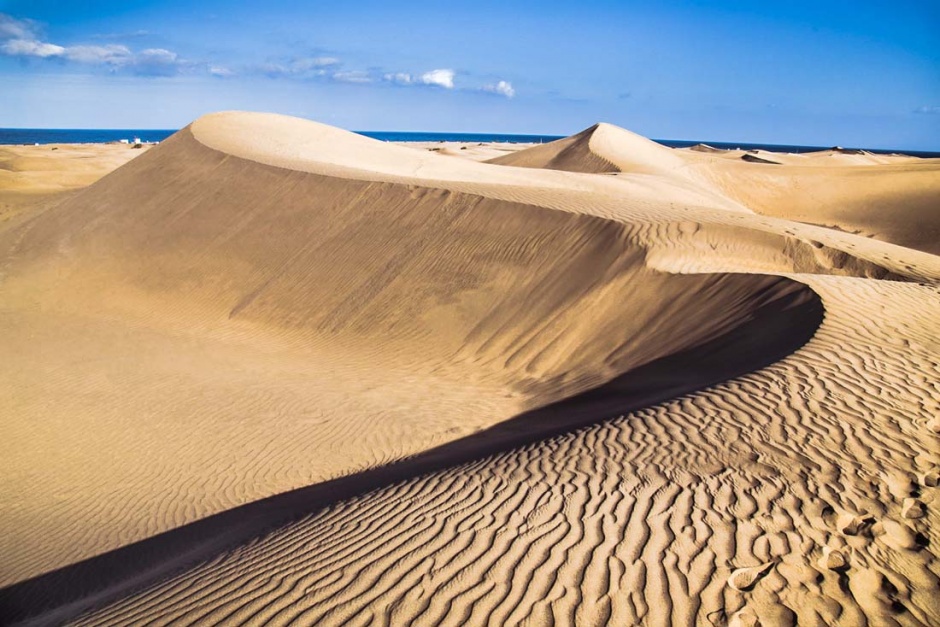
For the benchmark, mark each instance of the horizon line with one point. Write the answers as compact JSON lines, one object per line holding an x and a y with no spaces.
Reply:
{"x":554,"y":136}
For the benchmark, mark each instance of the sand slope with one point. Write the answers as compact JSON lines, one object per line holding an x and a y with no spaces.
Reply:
{"x":262,"y":304}
{"x":640,"y":520}
{"x":32,"y":177}
{"x":892,"y":198}
{"x":601,"y":148}
{"x":897,"y":201}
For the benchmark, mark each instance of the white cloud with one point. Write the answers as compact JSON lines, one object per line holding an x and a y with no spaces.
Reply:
{"x":434,"y":78}
{"x":503,"y":88}
{"x":156,"y":62}
{"x":12,"y":28}
{"x":273,"y":70}
{"x":98,"y":55}
{"x":313,"y":63}
{"x":221,"y":71}
{"x":31,"y":48}
{"x":304,"y":67}
{"x":353,"y":76}
{"x":400,"y":78}
{"x":129,"y":35}
{"x":20,"y":39}
{"x":442,"y":78}
{"x":927,"y":109}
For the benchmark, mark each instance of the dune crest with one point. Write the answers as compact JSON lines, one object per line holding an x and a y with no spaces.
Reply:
{"x":263,"y":317}
{"x":599,"y":149}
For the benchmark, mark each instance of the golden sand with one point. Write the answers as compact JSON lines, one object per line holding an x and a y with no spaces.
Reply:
{"x":271,"y":371}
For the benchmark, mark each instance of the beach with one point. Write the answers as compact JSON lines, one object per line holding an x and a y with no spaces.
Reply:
{"x":269,"y":371}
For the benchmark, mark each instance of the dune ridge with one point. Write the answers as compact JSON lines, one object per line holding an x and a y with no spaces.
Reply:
{"x":892,"y":198}
{"x":672,"y":500}
{"x":602,"y":148}
{"x":353,"y":305}
{"x":790,"y":317}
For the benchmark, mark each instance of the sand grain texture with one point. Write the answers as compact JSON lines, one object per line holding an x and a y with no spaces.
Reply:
{"x":276,"y":372}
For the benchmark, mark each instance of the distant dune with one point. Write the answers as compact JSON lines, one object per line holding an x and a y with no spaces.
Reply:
{"x":896,"y":202}
{"x":601,"y":149}
{"x":35,"y":176}
{"x":271,"y":371}
{"x":894,"y":199}
{"x":705,"y":148}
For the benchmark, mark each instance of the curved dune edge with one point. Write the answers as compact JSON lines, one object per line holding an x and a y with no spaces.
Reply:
{"x":526,"y":326}
{"x":661,"y":244}
{"x":600,"y":149}
{"x":712,"y":508}
{"x":699,"y":191}
{"x":783,"y":324}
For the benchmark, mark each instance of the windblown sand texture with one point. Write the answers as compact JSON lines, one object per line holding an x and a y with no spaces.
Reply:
{"x":272,"y":372}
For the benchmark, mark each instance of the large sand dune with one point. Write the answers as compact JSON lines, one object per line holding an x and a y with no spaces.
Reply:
{"x":274,"y":371}
{"x":891,"y":198}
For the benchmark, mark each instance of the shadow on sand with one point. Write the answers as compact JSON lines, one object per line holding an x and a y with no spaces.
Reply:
{"x":777,"y":328}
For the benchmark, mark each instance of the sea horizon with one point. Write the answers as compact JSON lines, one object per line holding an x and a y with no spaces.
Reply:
{"x":33,"y":136}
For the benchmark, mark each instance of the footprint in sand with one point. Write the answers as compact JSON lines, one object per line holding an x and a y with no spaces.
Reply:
{"x":898,"y":535}
{"x":744,"y":579}
{"x":744,"y":618}
{"x":913,"y":508}
{"x":833,"y":559}
{"x":930,"y":479}
{"x":855,"y":524}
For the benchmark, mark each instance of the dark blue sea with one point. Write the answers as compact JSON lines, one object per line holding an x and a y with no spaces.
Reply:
{"x":97,"y":136}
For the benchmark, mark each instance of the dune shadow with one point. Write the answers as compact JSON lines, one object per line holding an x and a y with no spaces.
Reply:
{"x":776,"y":329}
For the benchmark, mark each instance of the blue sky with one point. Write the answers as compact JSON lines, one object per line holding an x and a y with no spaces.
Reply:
{"x":859,"y":73}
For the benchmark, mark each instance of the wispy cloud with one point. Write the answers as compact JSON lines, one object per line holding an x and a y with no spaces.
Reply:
{"x":221,"y":71}
{"x":359,"y":77}
{"x":22,"y":38}
{"x":156,"y":62}
{"x":300,"y":67}
{"x":435,"y":78}
{"x":306,"y":64}
{"x":928,"y":110}
{"x":12,"y":28}
{"x":502,"y":88}
{"x":128,"y":35}
{"x":399,"y":78}
{"x":31,"y":48}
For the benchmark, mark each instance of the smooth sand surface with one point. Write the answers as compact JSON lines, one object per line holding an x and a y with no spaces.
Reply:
{"x":272,"y":372}
{"x":476,"y":151}
{"x":894,"y":199}
{"x":33,"y":177}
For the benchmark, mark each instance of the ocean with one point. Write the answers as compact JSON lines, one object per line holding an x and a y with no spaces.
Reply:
{"x":98,"y":136}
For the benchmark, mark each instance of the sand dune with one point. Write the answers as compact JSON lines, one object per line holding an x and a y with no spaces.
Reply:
{"x":475,"y":151}
{"x":705,"y":148}
{"x":32,"y":177}
{"x":599,"y":149}
{"x":480,"y":391}
{"x":895,"y":202}
{"x":894,"y":198}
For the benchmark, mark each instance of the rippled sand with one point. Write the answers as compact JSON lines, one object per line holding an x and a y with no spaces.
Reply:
{"x":271,"y":371}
